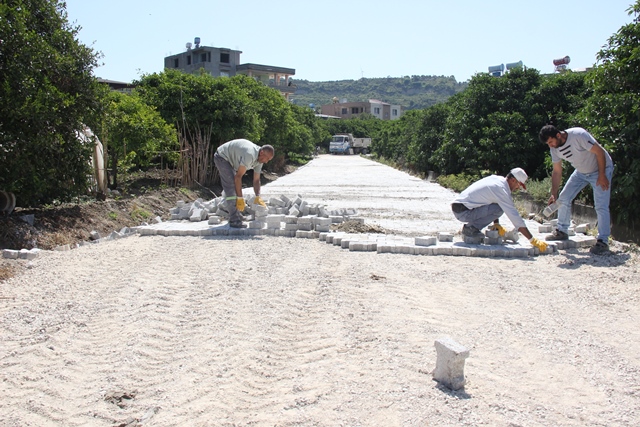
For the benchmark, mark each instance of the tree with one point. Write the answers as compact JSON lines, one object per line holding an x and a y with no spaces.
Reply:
{"x":136,"y":134}
{"x":612,"y":114}
{"x":47,"y":93}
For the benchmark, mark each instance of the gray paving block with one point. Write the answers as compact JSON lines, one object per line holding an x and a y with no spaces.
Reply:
{"x":426,"y":241}
{"x":445,"y":237}
{"x":10,"y":253}
{"x":449,"y":370}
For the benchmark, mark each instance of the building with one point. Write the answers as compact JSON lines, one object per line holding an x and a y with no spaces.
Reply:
{"x":223,"y":62}
{"x":349,"y":110}
{"x":117,"y":86}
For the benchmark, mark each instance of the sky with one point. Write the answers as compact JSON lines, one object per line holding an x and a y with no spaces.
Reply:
{"x":349,"y":39}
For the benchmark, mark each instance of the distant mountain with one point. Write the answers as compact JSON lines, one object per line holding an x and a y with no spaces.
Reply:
{"x":411,"y":92}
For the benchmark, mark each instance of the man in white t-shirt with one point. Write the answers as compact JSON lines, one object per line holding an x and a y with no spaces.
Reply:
{"x":593,"y":166}
{"x":484,"y":202}
{"x":233,"y":159}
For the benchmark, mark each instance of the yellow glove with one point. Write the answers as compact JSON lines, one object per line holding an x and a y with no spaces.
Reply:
{"x":501,"y":230}
{"x":542,"y":246}
{"x":258,"y":201}
{"x":240,"y":204}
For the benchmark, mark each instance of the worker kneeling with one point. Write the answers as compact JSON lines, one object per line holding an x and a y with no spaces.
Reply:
{"x":484,"y":202}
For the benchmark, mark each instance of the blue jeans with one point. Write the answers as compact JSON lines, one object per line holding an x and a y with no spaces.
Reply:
{"x":576,"y":182}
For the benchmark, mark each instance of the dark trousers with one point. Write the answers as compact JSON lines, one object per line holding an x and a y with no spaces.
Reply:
{"x":479,"y":217}
{"x":227,"y":179}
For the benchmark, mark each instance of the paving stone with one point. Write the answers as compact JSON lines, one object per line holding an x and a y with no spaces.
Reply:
{"x":450,"y":360}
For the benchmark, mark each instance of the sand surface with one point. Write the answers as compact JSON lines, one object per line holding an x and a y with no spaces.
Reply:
{"x":275,"y":331}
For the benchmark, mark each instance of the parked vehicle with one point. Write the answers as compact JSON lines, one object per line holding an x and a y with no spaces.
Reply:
{"x":345,"y":143}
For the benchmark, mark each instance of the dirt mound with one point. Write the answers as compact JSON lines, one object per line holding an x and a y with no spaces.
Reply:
{"x":352,"y":226}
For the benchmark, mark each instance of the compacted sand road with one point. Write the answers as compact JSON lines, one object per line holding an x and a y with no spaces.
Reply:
{"x":274,"y":331}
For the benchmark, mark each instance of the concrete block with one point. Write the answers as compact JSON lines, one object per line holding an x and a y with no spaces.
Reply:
{"x":545,"y":228}
{"x":445,"y":237}
{"x":276,"y":202}
{"x":461,"y":251}
{"x":323,"y":228}
{"x":28,"y":253}
{"x":291,"y":227}
{"x":305,"y":226}
{"x":425,"y":241}
{"x":450,"y":360}
{"x":493,"y":240}
{"x":571,"y":232}
{"x":336,"y":219}
{"x":10,"y":254}
{"x":290,"y":219}
{"x":214,"y":219}
{"x":582,"y":228}
{"x":256,"y":225}
{"x":473,"y":240}
{"x":554,"y":223}
{"x":492,"y":234}
{"x":424,"y":250}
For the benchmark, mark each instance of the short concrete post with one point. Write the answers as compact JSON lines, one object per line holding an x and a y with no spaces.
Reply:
{"x":450,"y":363}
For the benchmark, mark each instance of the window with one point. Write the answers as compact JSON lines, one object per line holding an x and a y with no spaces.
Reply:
{"x":224,"y":58}
{"x":176,"y":63}
{"x":355,"y":110}
{"x":188,"y":59}
{"x":376,"y":110}
{"x":344,"y":111}
{"x":394,"y":112}
{"x":203,"y":57}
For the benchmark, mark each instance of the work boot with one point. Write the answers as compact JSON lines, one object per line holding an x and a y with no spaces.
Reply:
{"x":557,"y":235}
{"x":600,"y":248}
{"x":471,"y":231}
{"x":237,"y":224}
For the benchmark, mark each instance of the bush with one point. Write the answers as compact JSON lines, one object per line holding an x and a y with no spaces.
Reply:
{"x":457,"y":182}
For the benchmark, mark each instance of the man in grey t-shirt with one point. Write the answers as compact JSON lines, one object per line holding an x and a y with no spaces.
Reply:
{"x":233,"y":159}
{"x":593,"y":166}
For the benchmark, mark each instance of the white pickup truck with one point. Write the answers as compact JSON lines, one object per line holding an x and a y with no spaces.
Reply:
{"x":345,"y":143}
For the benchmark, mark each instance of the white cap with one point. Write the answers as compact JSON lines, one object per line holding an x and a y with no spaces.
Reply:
{"x":520,"y":175}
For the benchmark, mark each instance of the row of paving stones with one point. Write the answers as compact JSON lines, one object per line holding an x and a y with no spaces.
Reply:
{"x":440,"y":244}
{"x":284,"y":217}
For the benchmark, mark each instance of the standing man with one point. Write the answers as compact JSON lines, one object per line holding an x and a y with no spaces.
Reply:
{"x":593,"y":166}
{"x":484,"y":202}
{"x":233,"y":159}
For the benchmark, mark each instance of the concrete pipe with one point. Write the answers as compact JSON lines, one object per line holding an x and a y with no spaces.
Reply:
{"x":7,"y":202}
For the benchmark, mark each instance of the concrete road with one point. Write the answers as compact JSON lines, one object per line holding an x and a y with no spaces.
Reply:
{"x":394,"y":200}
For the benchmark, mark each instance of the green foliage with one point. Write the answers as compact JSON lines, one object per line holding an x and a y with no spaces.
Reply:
{"x":139,"y":214}
{"x":457,"y":182}
{"x":612,"y":114}
{"x":538,"y":190}
{"x":412,"y":92}
{"x":236,"y":107}
{"x":135,"y":134}
{"x":47,"y":93}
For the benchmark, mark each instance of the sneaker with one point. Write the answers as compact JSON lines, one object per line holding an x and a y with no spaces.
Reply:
{"x":599,"y":248}
{"x":237,"y":224}
{"x":557,"y":235}
{"x":471,"y":231}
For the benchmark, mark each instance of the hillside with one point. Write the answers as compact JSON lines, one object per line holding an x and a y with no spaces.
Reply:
{"x":412,"y":92}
